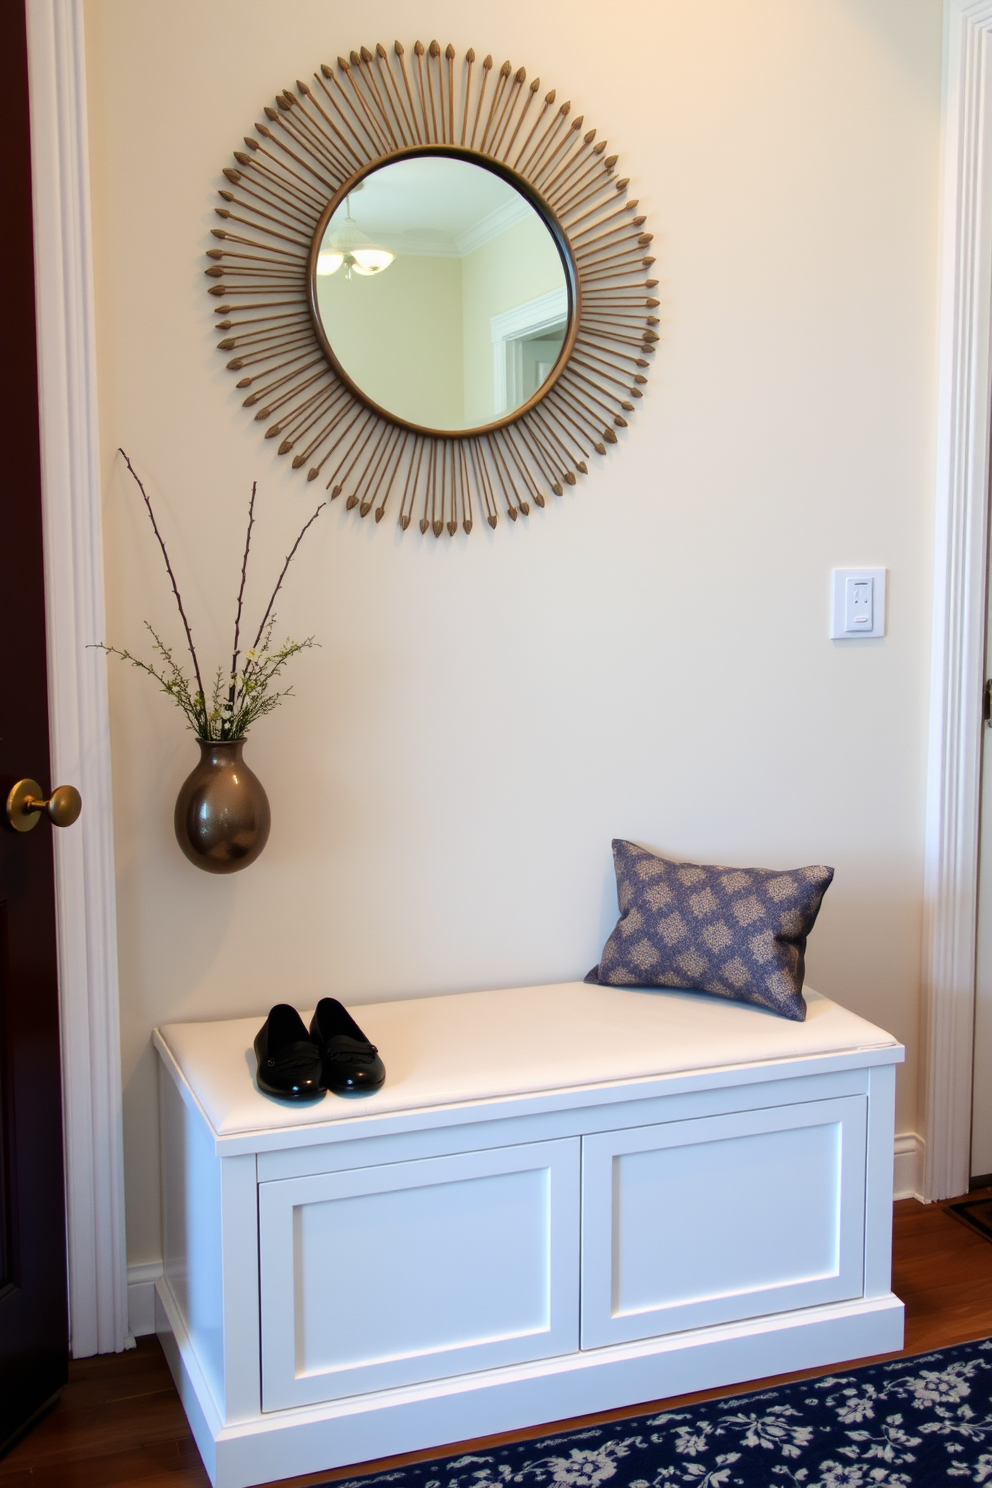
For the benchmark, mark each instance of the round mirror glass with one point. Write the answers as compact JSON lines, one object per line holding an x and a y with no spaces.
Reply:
{"x":441,"y":293}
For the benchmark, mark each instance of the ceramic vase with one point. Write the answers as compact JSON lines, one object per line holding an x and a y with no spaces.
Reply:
{"x":222,"y":812}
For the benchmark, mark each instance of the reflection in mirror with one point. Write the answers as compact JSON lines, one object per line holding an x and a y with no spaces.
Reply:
{"x":441,"y":292}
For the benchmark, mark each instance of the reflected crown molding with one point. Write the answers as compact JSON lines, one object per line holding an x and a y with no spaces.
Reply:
{"x":422,"y":243}
{"x":492,"y":226}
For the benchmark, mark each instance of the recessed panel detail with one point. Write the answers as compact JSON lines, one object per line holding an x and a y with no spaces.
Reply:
{"x":411,"y":1271}
{"x":390,"y":1276}
{"x":689,"y":1224}
{"x":725,"y":1217}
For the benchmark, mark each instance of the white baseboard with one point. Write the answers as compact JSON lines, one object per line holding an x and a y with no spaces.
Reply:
{"x":141,"y":1280}
{"x":141,"y":1297}
{"x":908,"y":1175}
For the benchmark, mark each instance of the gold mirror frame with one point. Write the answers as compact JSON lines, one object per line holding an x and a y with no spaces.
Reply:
{"x":314,"y":147}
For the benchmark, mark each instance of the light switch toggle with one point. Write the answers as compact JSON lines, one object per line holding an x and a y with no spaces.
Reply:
{"x":858,"y":603}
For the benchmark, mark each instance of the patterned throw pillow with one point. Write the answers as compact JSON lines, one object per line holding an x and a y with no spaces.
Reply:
{"x":738,"y":932}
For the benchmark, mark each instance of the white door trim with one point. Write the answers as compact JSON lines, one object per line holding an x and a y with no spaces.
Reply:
{"x":80,"y":724}
{"x":961,"y":545}
{"x":507,"y":328}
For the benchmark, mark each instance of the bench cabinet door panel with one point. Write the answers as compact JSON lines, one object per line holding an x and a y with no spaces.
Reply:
{"x":419,"y":1270}
{"x":709,"y":1221}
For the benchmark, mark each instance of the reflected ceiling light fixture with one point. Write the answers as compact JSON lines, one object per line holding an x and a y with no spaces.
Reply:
{"x":348,"y":245}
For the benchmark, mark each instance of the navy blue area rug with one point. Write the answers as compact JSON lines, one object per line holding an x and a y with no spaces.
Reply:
{"x":909,"y":1423}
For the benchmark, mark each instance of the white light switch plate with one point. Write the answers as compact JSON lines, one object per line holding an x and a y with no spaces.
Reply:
{"x":858,"y":607}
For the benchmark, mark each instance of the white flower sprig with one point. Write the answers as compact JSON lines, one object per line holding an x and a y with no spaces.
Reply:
{"x":241,"y":694}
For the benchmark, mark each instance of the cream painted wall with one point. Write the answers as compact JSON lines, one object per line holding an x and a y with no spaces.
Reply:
{"x":645,"y":658}
{"x":399,"y":336}
{"x":519,"y":265}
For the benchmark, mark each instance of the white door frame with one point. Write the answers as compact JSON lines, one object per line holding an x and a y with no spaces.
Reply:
{"x":508,"y":329}
{"x":79,"y":716}
{"x":959,"y":612}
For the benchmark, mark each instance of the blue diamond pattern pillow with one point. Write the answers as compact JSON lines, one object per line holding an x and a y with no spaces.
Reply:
{"x":738,"y":932}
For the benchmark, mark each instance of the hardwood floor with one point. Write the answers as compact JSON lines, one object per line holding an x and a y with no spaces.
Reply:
{"x":119,"y":1422}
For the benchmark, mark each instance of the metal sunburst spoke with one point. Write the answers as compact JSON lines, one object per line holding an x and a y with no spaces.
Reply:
{"x":304,"y":148}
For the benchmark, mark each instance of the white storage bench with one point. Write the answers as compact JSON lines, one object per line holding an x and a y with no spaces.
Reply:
{"x":564,"y":1199}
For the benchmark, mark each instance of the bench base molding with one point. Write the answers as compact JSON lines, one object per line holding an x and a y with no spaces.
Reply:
{"x":385,"y":1423}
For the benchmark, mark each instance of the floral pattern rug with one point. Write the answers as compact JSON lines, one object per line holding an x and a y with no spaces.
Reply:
{"x":905,"y":1424}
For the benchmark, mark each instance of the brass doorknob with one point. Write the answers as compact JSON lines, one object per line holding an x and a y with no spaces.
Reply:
{"x":26,"y":803}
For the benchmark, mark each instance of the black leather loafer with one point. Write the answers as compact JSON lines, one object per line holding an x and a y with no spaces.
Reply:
{"x":351,"y":1063}
{"x":289,"y":1063}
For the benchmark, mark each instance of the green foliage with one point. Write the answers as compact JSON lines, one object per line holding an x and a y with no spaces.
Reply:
{"x":235,"y":701}
{"x":241,"y":693}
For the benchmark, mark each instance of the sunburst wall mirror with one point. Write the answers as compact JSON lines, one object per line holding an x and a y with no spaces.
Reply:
{"x":434,"y":286}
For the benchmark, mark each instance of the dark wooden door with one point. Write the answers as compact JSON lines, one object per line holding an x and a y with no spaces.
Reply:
{"x":33,"y":1316}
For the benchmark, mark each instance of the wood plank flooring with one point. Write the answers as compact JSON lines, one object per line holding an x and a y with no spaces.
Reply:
{"x":119,"y":1423}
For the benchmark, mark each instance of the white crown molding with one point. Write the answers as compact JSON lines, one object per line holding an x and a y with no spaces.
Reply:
{"x":492,"y":225}
{"x":80,"y":728}
{"x":961,"y":541}
{"x":430,"y":243}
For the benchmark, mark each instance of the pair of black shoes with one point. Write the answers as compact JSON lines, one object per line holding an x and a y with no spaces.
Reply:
{"x":334,"y":1055}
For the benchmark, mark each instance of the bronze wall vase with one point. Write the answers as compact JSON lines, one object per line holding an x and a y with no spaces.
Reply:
{"x":222,"y":813}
